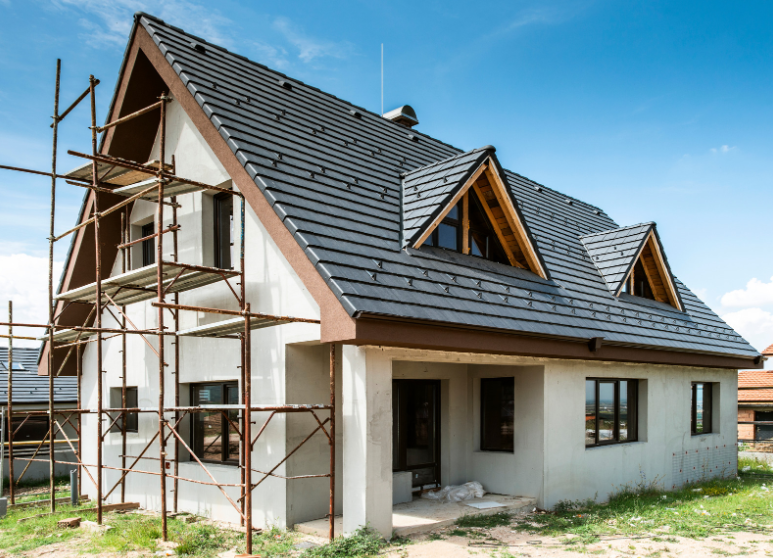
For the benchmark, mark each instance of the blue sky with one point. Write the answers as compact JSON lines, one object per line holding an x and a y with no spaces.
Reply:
{"x":654,"y":111}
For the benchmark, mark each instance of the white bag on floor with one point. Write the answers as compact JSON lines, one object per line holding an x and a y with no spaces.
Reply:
{"x":466,"y":491}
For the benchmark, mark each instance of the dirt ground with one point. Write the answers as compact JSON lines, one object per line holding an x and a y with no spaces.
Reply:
{"x":509,"y":543}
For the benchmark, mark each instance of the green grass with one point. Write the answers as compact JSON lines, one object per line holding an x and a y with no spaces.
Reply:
{"x":696,"y":511}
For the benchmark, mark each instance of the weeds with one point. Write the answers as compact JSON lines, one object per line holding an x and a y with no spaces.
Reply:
{"x":364,"y":543}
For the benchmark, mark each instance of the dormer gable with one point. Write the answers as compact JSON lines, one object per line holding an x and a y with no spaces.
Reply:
{"x":631,"y":260}
{"x":465,"y":204}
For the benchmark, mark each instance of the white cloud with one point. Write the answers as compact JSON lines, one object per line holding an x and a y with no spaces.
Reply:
{"x":722,"y":150}
{"x":308,"y":47}
{"x":108,"y":22}
{"x":24,"y":280}
{"x":272,"y":56}
{"x":754,"y":324}
{"x":757,"y":293}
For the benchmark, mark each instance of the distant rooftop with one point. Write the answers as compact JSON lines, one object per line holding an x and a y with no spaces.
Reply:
{"x":27,"y":357}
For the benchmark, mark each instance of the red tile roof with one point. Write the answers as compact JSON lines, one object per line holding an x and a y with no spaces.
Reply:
{"x":768,"y":351}
{"x":749,"y":382}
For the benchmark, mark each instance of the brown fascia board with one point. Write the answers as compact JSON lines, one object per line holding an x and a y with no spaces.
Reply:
{"x":410,"y":334}
{"x":337,"y":325}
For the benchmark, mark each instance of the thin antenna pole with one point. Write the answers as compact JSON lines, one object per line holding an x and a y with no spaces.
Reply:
{"x":382,"y":79}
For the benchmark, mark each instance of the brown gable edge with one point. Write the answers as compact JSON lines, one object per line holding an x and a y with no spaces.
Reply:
{"x":491,"y":170}
{"x":336,"y":324}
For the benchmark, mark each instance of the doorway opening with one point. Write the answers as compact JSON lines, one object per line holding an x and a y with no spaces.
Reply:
{"x":416,"y":430}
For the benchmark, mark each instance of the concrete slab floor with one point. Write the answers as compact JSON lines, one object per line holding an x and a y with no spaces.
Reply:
{"x":421,"y":516}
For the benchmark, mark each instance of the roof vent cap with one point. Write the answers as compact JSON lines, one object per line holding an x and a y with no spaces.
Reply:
{"x":404,"y":115}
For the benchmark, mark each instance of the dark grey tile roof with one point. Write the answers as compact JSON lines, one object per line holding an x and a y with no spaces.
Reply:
{"x":26,"y":356}
{"x":30,"y":388}
{"x":428,"y":189}
{"x":332,"y":172}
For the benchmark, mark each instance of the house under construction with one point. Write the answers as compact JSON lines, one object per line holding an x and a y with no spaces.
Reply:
{"x":391,"y":313}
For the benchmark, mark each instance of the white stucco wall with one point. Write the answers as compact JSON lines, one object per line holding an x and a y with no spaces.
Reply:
{"x":272,"y":287}
{"x":550,"y":461}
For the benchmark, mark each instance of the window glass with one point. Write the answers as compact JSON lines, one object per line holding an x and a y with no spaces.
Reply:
{"x":701,"y":407}
{"x":148,"y":246}
{"x":611,"y":411}
{"x":606,"y":411}
{"x":132,"y":419}
{"x":212,"y":435}
{"x":448,"y":236}
{"x":763,"y":431}
{"x":590,"y":412}
{"x":497,"y":414}
{"x":453,"y":213}
{"x":224,"y":230}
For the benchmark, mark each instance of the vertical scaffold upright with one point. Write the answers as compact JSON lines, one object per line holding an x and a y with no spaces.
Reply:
{"x":158,"y":182}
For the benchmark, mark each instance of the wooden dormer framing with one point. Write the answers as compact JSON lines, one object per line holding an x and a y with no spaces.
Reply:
{"x":656,"y":270}
{"x":505,"y":220}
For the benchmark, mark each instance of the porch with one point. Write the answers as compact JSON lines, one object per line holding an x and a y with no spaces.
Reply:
{"x":421,"y":515}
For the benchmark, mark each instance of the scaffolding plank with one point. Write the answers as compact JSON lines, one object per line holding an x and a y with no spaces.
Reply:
{"x":112,"y":174}
{"x":140,"y":284}
{"x":230,"y":327}
{"x":173,"y":188}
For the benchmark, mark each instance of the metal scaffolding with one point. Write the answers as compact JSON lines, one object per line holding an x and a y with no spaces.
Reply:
{"x":157,"y":182}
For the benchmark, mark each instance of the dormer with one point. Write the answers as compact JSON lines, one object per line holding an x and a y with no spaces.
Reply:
{"x":464,"y":204}
{"x":632,"y":261}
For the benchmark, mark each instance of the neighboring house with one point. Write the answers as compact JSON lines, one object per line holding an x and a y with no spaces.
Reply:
{"x":489,"y":328}
{"x":755,"y":404}
{"x":30,"y":393}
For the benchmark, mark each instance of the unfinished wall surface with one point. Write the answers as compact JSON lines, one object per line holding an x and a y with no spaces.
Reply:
{"x":666,"y":453}
{"x":272,"y":287}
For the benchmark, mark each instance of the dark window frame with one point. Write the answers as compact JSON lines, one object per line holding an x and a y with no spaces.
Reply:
{"x":633,"y":412}
{"x":434,"y":238}
{"x":224,"y":424}
{"x":149,"y":245}
{"x":223,"y":246}
{"x":500,"y":384}
{"x":707,"y":417}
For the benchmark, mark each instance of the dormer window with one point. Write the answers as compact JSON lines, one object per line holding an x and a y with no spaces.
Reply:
{"x":464,"y":204}
{"x":631,"y":261}
{"x":637,"y":283}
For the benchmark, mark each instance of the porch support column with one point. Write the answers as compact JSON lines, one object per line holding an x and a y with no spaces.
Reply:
{"x":367,"y":432}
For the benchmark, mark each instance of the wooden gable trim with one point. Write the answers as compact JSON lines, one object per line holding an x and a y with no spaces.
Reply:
{"x":509,"y":229}
{"x":663,"y":288}
{"x":516,"y":226}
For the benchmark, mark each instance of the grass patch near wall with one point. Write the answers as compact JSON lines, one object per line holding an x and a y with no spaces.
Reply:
{"x":366,"y":542}
{"x":696,"y":511}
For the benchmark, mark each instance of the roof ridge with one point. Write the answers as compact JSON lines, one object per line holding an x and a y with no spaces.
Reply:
{"x":441,"y":161}
{"x":617,"y":229}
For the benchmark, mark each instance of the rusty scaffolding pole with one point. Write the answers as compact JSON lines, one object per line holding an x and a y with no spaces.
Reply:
{"x":103,"y":300}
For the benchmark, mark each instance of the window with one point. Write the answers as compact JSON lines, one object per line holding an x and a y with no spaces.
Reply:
{"x":700,"y":408}
{"x":149,"y":245}
{"x":34,"y":429}
{"x":497,"y":409}
{"x":611,"y":411}
{"x":763,"y":431}
{"x":483,"y":240}
{"x":638,"y":284}
{"x":213,"y":436}
{"x":224,"y":230}
{"x":132,"y":419}
{"x":448,"y":233}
